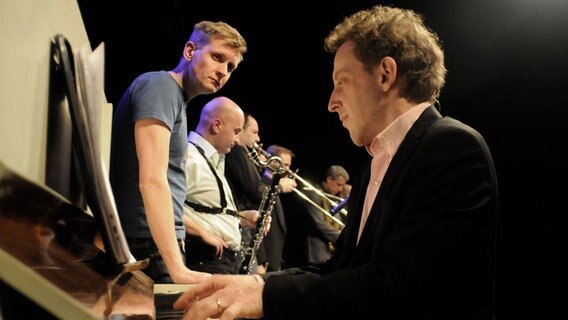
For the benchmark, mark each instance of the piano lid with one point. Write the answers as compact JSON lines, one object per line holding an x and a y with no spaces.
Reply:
{"x":48,"y":244}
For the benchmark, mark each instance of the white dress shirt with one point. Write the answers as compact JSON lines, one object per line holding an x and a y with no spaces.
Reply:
{"x":202,"y":188}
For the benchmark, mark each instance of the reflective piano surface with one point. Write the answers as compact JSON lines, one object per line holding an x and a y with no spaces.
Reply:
{"x":50,"y":253}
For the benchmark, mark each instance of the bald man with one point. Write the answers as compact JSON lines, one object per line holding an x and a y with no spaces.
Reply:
{"x":213,"y":241}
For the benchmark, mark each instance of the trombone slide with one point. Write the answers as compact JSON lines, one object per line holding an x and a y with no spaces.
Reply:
{"x":336,"y":223}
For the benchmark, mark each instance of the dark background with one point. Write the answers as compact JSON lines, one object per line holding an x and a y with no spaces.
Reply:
{"x":507,"y":78}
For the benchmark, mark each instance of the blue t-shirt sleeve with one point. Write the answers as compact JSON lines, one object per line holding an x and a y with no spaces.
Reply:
{"x":154,"y":98}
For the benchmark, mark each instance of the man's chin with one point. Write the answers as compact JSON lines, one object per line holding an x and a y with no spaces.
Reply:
{"x":215,"y":88}
{"x":210,"y":89}
{"x":356,"y":140}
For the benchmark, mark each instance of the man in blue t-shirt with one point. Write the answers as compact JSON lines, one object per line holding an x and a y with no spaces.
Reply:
{"x":149,"y":145}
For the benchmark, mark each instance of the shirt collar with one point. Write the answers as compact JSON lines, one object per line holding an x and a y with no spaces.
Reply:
{"x":391,"y":137}
{"x":207,"y":147}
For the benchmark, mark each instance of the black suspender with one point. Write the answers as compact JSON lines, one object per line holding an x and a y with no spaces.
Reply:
{"x":206,"y":209}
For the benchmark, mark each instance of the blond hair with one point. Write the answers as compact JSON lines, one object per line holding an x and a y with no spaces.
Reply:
{"x":204,"y":31}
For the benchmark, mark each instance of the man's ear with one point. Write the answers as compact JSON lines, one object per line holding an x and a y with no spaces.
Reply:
{"x":216,"y":126}
{"x":189,"y":50}
{"x":387,"y":73}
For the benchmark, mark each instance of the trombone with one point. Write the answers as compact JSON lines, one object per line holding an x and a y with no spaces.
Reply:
{"x":262,"y":159}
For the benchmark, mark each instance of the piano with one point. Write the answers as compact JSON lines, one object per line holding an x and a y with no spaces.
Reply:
{"x":54,"y":264}
{"x":62,"y":250}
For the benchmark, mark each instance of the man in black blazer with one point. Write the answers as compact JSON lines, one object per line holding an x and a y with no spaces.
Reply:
{"x":244,"y":176}
{"x":419,"y":240}
{"x":274,"y":241}
{"x":322,"y":235}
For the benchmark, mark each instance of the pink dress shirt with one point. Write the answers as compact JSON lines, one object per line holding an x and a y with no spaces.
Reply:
{"x":382,"y":149}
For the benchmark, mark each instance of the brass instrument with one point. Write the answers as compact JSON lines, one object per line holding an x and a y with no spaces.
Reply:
{"x":329,"y":195}
{"x":256,"y":153}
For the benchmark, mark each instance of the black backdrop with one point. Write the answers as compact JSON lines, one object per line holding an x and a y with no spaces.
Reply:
{"x":507,"y":78}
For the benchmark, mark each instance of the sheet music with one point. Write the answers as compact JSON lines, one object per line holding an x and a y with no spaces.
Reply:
{"x":89,"y":68}
{"x":89,"y":76}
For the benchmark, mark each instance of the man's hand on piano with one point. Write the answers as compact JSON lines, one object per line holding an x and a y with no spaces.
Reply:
{"x":223,"y":297}
{"x":189,"y":276}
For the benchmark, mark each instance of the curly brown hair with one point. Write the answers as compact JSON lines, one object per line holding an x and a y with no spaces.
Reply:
{"x":401,"y":34}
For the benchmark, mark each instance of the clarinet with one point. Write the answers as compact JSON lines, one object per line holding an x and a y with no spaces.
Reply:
{"x":265,"y":210}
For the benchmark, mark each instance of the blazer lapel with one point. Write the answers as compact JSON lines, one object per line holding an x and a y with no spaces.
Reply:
{"x":355,"y":208}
